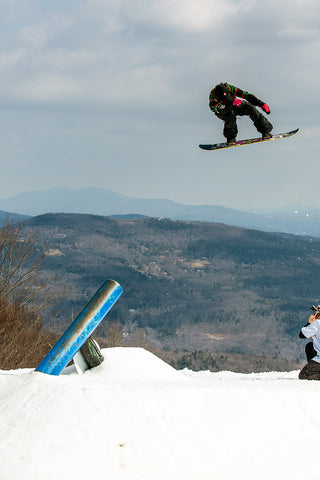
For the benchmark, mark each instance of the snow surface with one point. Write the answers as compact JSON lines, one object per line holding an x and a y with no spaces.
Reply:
{"x":136,"y":418}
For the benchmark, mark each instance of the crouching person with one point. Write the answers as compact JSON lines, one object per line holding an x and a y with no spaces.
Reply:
{"x":312,"y":329}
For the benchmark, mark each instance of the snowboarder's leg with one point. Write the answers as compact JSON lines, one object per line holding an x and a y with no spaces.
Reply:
{"x":260,"y":122}
{"x":230,"y":129}
{"x":311,"y":371}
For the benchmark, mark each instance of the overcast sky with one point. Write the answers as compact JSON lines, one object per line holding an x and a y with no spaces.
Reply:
{"x":114,"y":94}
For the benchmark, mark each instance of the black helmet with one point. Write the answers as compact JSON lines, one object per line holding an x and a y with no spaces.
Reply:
{"x":222,"y":93}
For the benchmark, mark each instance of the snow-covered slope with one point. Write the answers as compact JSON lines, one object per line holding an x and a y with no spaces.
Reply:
{"x":136,"y":418}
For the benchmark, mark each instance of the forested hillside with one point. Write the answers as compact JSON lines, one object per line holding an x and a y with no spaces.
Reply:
{"x":190,"y":285}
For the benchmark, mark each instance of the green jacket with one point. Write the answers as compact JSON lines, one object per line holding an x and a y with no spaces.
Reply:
{"x":234,"y":92}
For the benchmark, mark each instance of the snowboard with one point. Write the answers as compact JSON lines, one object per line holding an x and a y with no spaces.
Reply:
{"x":80,"y":329}
{"x":218,"y":146}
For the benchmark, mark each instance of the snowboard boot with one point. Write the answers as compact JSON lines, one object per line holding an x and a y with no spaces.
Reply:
{"x":266,"y":135}
{"x":231,"y":142}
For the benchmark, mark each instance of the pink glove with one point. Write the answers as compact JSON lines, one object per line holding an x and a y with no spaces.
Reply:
{"x":265,"y":108}
{"x":237,"y":102}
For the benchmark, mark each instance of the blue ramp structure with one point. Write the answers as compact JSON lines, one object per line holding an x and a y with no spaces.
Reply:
{"x":80,"y":329}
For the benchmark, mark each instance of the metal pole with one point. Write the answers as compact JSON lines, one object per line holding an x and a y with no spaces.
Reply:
{"x":80,"y":329}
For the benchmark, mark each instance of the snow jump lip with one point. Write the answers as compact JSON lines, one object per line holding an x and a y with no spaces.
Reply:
{"x":81,"y":328}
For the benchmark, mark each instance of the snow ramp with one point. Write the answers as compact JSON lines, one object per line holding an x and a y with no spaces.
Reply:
{"x":136,"y":418}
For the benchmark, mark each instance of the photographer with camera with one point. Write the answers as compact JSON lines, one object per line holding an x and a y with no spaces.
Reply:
{"x":311,"y":371}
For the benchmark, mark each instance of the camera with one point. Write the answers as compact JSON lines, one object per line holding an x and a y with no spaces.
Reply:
{"x":315,"y":309}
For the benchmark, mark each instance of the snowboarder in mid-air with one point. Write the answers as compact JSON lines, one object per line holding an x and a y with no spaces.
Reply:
{"x":227,"y":101}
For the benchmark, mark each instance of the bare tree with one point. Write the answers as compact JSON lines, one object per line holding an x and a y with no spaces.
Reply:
{"x":114,"y":334}
{"x":24,"y":295}
{"x":20,"y":267}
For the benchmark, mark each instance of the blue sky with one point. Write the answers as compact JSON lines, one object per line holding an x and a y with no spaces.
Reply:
{"x":114,"y":94}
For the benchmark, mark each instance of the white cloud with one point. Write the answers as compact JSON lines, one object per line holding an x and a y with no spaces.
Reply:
{"x":51,"y":88}
{"x":149,"y":65}
{"x":184,"y":15}
{"x":142,"y":51}
{"x":192,"y":16}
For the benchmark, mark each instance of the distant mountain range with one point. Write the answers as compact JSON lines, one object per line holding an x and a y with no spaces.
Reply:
{"x":108,"y":203}
{"x":17,"y":217}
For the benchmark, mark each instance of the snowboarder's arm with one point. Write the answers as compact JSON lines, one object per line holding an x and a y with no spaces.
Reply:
{"x":254,"y":100}
{"x":237,"y":92}
{"x":214,"y":105}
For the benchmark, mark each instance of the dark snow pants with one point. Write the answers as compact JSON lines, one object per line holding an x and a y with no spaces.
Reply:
{"x":229,"y":116}
{"x":311,"y":371}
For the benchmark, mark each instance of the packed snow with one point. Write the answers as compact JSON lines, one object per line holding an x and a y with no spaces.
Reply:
{"x":136,"y":418}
